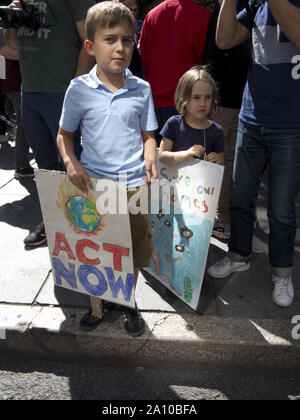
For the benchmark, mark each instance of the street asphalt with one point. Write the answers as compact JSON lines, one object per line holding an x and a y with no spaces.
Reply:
{"x":236,"y":324}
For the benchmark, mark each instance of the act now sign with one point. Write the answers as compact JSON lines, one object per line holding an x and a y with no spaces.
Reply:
{"x":90,"y":252}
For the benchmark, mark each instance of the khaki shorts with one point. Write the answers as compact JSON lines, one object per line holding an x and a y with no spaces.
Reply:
{"x":141,"y":235}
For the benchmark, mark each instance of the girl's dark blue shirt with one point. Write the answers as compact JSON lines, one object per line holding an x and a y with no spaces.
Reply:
{"x":184,"y":136}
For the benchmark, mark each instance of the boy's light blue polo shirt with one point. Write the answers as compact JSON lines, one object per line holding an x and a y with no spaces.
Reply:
{"x":111,"y":125}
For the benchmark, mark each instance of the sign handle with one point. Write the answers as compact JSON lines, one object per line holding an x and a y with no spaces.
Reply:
{"x":96,"y":307}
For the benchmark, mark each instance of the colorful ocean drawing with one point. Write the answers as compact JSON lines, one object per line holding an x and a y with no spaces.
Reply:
{"x":184,"y":239}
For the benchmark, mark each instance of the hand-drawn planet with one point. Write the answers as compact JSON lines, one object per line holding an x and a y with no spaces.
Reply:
{"x":82,"y":213}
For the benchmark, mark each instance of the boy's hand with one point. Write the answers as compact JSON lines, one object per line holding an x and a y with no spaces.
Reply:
{"x":151,"y":171}
{"x":215,"y":158}
{"x":78,"y":176}
{"x":197,"y":150}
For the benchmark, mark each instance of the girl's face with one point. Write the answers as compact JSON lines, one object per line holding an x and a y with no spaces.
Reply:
{"x":200,"y":104}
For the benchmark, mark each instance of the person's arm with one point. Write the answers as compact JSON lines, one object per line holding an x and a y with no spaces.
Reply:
{"x":168,"y":157}
{"x":11,"y":34}
{"x":230,"y":32}
{"x":288,"y":17}
{"x":150,"y":146}
{"x":75,"y":171}
{"x":85,"y":61}
{"x":9,"y":53}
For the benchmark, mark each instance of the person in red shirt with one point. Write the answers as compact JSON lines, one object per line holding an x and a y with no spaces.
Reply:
{"x":172,"y":41}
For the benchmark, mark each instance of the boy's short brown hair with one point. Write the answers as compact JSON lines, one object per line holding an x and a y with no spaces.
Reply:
{"x":184,"y":88}
{"x":107,"y":14}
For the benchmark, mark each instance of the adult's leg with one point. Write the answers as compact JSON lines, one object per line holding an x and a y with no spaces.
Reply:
{"x":22,"y":146}
{"x":284,"y":184}
{"x":250,"y":159}
{"x":52,"y":114}
{"x":36,"y":115}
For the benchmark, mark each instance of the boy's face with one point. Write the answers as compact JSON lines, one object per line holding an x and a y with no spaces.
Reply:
{"x":112,"y":48}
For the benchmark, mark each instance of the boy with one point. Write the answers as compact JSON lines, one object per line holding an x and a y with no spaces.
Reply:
{"x":116,"y":114}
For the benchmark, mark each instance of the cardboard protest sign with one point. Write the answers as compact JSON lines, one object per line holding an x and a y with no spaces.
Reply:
{"x":182,"y":220}
{"x":90,"y":250}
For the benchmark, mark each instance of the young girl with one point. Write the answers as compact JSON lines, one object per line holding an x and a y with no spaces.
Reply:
{"x":192,"y":134}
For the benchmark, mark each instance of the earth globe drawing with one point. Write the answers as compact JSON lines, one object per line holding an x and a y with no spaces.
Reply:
{"x":82,"y":213}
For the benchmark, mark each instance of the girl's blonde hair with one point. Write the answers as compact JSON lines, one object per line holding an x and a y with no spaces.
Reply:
{"x":184,"y":88}
{"x":107,"y":14}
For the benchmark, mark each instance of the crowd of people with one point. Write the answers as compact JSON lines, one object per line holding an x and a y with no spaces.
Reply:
{"x":214,"y":79}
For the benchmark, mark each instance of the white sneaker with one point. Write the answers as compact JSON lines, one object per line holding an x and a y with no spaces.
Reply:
{"x":226,"y":266}
{"x":283,"y":294}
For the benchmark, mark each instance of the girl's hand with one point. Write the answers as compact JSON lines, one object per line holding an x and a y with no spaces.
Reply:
{"x":215,"y":158}
{"x":78,"y":176}
{"x":196,"y":151}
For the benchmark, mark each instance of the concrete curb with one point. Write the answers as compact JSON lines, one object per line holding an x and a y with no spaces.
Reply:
{"x":52,"y":333}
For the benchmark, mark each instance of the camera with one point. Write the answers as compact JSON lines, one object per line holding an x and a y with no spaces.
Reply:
{"x":28,"y":15}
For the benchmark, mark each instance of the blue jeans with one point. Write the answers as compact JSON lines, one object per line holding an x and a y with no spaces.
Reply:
{"x":40,"y":117}
{"x":255,"y":147}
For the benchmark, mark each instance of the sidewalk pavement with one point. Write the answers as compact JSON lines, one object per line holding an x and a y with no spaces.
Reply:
{"x":237,"y":324}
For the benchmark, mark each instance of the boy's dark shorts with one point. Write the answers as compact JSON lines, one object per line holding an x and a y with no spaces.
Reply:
{"x":141,"y":234}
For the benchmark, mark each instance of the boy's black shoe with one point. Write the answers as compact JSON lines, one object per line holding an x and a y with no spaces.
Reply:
{"x":134,"y":324}
{"x":36,"y":237}
{"x":89,"y":322}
